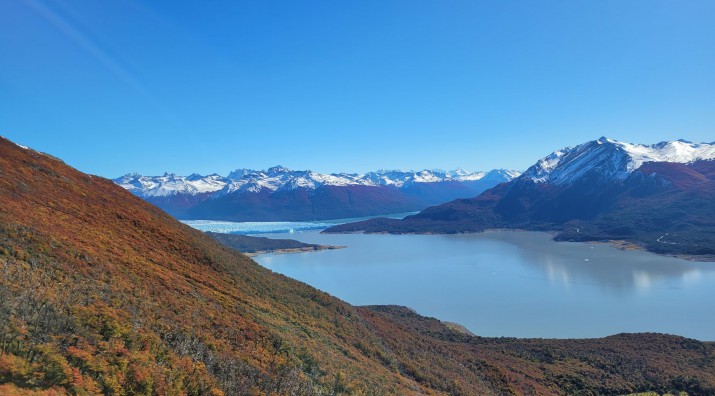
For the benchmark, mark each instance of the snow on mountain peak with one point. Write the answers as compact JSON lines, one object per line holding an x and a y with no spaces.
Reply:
{"x":500,"y":174}
{"x":282,"y":178}
{"x":278,"y":169}
{"x":239,"y":173}
{"x":170,"y":184}
{"x":612,"y":159}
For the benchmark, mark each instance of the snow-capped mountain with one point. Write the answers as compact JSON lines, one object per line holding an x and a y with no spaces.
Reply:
{"x":658,"y":196}
{"x":281,"y":178}
{"x":279,"y":193}
{"x":612,"y":159}
{"x":171,"y":184}
{"x":498,"y":175}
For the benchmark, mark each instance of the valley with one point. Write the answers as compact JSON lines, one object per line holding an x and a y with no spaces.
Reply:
{"x":357,"y":198}
{"x":103,"y":292}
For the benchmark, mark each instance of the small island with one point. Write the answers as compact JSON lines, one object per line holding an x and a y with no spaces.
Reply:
{"x":252,"y":245}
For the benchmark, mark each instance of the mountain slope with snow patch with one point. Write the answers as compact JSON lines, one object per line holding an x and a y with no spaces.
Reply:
{"x":611,"y":159}
{"x":279,"y":193}
{"x":599,"y":190}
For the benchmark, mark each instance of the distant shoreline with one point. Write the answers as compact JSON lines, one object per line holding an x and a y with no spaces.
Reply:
{"x":626,"y":245}
{"x":619,"y":244}
{"x":615,"y":243}
{"x":254,"y":245}
{"x":294,"y":250}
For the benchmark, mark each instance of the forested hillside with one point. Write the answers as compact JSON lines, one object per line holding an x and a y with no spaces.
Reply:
{"x":102,"y":293}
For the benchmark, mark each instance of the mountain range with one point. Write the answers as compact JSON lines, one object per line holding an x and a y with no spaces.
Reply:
{"x":279,"y":193}
{"x":103,"y":293}
{"x":658,"y":196}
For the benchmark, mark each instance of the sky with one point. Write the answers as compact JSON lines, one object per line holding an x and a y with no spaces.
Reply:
{"x":113,"y":87}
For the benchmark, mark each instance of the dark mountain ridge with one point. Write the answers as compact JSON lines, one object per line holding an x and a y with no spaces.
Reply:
{"x":597,"y":201}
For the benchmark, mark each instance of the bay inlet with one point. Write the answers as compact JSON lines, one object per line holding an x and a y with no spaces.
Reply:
{"x":510,"y":283}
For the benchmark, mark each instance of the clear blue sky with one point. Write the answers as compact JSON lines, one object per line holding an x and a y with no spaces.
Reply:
{"x":209,"y":86}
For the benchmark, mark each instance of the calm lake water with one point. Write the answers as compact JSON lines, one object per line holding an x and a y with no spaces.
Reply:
{"x":512,"y":283}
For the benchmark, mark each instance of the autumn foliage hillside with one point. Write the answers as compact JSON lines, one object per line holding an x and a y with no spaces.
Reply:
{"x":102,"y":293}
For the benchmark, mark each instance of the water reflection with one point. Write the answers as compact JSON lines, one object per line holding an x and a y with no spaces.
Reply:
{"x":519,"y":284}
{"x":596,"y":264}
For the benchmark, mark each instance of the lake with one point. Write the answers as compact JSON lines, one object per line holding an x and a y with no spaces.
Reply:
{"x":511,"y":283}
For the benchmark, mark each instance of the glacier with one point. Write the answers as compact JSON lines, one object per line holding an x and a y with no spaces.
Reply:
{"x":254,"y":227}
{"x":276,"y":227}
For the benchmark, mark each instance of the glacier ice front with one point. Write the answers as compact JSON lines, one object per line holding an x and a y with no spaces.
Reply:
{"x":270,"y":227}
{"x":255,"y":227}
